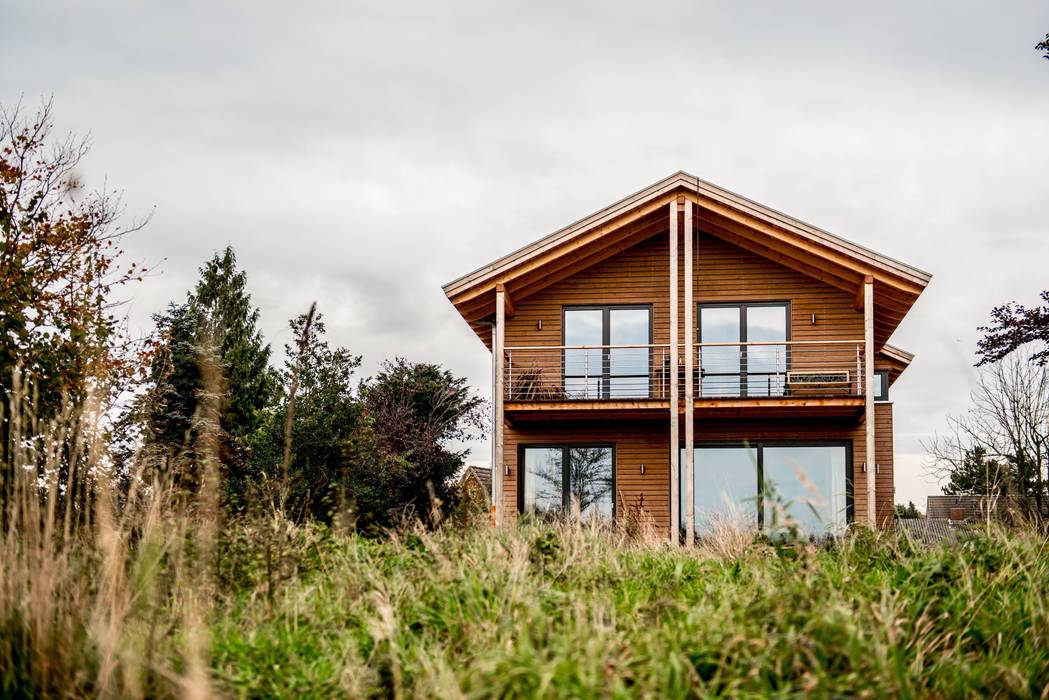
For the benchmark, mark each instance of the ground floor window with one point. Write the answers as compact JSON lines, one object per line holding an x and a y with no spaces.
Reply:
{"x":556,"y":479}
{"x":774,"y":484}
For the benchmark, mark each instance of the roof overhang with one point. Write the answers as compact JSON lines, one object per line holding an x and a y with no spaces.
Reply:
{"x":738,"y":220}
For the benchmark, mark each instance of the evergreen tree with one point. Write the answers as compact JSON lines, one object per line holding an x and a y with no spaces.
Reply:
{"x":326,"y":414}
{"x":978,"y":474}
{"x":218,"y":317}
{"x":401,"y":456}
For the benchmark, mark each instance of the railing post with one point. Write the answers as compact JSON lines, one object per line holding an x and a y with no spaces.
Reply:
{"x":586,"y":374}
{"x":510,"y":373}
{"x":859,"y":373}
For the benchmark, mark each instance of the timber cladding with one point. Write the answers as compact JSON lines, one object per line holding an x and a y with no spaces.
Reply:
{"x":724,"y":272}
{"x":647,"y":442}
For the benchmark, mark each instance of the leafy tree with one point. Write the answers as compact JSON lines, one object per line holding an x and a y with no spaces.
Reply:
{"x":1007,"y":419}
{"x":401,"y":460}
{"x":59,"y":263}
{"x":906,"y":511}
{"x":217,"y":317}
{"x":1012,"y":326}
{"x":1043,"y":46}
{"x":317,"y":393}
{"x":59,"y":266}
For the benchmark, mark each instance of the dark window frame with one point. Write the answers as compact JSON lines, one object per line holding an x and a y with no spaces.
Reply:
{"x":884,"y":394}
{"x":759,"y":445}
{"x":743,"y":373}
{"x":566,"y":453}
{"x":606,"y":376}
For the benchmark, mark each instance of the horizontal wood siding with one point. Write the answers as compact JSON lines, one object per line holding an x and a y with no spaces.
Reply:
{"x":883,"y":451}
{"x":724,"y":272}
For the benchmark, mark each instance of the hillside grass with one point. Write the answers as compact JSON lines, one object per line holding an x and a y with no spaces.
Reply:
{"x":569,"y":612}
{"x":537,"y":611}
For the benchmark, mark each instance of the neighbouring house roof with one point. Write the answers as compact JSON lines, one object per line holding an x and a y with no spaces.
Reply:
{"x":976,"y":507}
{"x":482,"y":476}
{"x":722,"y":213}
{"x":932,"y":530}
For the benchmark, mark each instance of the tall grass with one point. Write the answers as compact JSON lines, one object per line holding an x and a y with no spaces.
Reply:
{"x":141,"y":591}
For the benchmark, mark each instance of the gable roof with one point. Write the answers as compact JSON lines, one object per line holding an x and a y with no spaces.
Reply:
{"x":481,"y":475}
{"x":720,"y":212}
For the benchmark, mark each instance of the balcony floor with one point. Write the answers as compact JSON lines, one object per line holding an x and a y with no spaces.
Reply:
{"x":633,"y":409}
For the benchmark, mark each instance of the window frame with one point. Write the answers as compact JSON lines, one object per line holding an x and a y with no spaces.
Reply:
{"x":606,"y":376}
{"x":759,"y":448}
{"x":566,"y":487}
{"x":883,"y":396}
{"x":743,"y":373}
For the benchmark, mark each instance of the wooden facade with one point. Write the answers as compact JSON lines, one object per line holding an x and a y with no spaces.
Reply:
{"x":840,"y":299}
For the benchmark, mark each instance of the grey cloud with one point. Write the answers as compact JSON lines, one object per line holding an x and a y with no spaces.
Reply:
{"x":362,"y":154}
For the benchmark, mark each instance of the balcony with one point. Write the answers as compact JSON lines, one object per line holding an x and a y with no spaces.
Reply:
{"x":726,"y":376}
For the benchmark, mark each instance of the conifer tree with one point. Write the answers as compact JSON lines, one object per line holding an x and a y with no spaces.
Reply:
{"x":217,"y":316}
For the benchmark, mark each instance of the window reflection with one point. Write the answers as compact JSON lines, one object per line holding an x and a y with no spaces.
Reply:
{"x":805,"y":486}
{"x":589,"y":473}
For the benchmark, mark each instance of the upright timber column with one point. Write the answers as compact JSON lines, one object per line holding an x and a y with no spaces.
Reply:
{"x":690,"y":337}
{"x":868,"y":385}
{"x":675,"y":515}
{"x":498,"y":469}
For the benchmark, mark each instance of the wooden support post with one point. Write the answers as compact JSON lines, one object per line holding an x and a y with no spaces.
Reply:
{"x":868,"y":386}
{"x":498,"y":468}
{"x":675,"y":500}
{"x":508,"y":300}
{"x":690,"y":346}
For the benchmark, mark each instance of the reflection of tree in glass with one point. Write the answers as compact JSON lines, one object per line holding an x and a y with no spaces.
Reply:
{"x":548,"y":484}
{"x":591,"y":480}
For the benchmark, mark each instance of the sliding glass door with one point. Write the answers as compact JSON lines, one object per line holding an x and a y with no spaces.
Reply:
{"x":602,"y":370}
{"x":730,"y":364}
{"x":557,"y":479}
{"x":774,"y":485}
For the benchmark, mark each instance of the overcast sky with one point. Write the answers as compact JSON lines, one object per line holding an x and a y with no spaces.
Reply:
{"x":362,"y":155}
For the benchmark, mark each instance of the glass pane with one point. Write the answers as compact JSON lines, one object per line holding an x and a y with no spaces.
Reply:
{"x":719,"y":325}
{"x":769,"y":362}
{"x":725,"y":487}
{"x":806,"y":486}
{"x":629,"y":327}
{"x":879,"y":386}
{"x":583,"y":387}
{"x":590,"y":469}
{"x":583,"y":327}
{"x":543,"y":480}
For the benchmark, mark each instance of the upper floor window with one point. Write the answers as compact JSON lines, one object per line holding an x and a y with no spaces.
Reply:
{"x":607,"y":351}
{"x":746,"y":353}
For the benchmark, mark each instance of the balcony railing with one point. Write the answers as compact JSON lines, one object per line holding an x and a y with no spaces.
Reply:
{"x":821,"y":368}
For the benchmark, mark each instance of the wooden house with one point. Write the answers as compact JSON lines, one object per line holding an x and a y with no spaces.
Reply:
{"x":687,"y":351}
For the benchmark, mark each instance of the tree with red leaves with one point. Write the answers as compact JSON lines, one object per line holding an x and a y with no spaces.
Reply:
{"x":1013,"y":325}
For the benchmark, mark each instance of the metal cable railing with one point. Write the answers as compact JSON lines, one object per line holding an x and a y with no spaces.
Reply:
{"x":816,"y":368}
